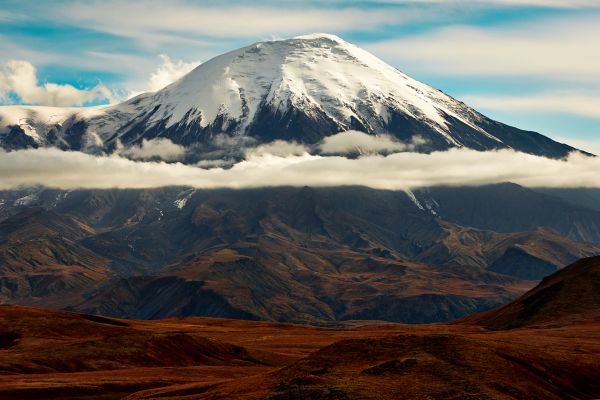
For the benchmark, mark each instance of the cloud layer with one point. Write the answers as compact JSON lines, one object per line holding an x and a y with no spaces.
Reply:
{"x":399,"y":171}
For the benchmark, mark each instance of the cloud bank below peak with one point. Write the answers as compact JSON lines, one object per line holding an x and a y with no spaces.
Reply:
{"x":399,"y":171}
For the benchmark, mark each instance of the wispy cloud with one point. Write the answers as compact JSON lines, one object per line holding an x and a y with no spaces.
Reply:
{"x":11,"y":51}
{"x":570,"y":102}
{"x":162,"y":21}
{"x":5,"y":15}
{"x":513,"y":3}
{"x":543,"y":3}
{"x":400,"y":171}
{"x":558,"y":48}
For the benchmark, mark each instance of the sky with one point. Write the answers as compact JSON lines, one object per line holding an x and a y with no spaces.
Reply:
{"x":534,"y":64}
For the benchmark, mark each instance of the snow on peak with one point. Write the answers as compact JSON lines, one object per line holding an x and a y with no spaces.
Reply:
{"x":316,"y":73}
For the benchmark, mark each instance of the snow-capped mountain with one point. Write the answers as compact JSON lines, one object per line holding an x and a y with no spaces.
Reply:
{"x":301,"y":89}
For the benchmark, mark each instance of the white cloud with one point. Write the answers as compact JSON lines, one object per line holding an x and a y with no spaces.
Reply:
{"x":168,"y":72}
{"x":54,"y":168}
{"x":154,"y":149}
{"x":563,"y":48}
{"x":578,"y":103}
{"x":19,"y":78}
{"x":363,"y":143}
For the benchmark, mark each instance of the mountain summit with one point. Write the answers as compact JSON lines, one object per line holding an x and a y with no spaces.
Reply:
{"x":301,"y":89}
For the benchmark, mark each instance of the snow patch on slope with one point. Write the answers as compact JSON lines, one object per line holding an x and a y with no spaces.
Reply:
{"x":183,"y":198}
{"x":413,"y":198}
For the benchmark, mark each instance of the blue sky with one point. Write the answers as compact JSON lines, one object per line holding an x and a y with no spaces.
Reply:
{"x":534,"y":64}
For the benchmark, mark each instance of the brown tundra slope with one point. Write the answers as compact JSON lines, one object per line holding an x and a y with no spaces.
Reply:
{"x":552,"y":351}
{"x":566,"y":297}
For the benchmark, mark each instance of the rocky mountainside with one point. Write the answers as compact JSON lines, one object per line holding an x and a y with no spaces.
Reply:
{"x":288,"y":254}
{"x":301,"y":89}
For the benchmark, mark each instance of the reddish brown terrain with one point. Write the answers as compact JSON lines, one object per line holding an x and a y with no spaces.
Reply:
{"x":568,"y":296}
{"x":551,"y":352}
